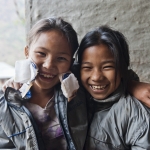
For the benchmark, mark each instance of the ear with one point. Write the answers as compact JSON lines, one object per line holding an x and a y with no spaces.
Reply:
{"x":26,"y":51}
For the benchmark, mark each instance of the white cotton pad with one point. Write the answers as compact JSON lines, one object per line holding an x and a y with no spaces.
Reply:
{"x":69,"y":85}
{"x":25,"y":71}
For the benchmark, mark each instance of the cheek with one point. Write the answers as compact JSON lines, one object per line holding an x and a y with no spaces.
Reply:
{"x":115,"y":81}
{"x":34,"y":58}
{"x":64,"y":67}
{"x":38,"y":62}
{"x":83,"y":76}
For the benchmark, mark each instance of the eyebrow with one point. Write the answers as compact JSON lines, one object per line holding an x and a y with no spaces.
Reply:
{"x":85,"y":63}
{"x":64,"y":53}
{"x":108,"y":61}
{"x":42,"y":48}
{"x":48,"y":50}
{"x":104,"y":62}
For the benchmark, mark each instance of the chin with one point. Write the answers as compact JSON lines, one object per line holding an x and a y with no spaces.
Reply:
{"x":99,"y":97}
{"x":44,"y":86}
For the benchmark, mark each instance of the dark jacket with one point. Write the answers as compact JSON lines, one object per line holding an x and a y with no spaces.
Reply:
{"x":18,"y":129}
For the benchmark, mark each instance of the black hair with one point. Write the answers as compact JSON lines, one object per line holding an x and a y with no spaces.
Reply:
{"x":116,"y":43}
{"x":54,"y":23}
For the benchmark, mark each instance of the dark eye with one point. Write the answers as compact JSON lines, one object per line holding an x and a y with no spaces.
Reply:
{"x":41,"y":54}
{"x":86,"y":67}
{"x":61,"y":59}
{"x":108,"y":67}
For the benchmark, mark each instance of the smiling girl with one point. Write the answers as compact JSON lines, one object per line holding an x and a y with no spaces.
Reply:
{"x":41,"y":122}
{"x":119,"y":121}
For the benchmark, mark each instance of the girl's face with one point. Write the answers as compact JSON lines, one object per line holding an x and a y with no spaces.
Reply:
{"x":98,"y":71}
{"x":52,"y":54}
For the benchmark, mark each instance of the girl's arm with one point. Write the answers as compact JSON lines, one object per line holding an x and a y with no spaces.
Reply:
{"x":69,"y":85}
{"x":141,"y":91}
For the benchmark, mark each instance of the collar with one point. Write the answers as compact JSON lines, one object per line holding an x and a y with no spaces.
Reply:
{"x":111,"y":98}
{"x":13,"y":97}
{"x":109,"y":101}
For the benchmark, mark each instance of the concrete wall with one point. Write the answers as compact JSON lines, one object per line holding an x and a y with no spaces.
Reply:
{"x":131,"y":17}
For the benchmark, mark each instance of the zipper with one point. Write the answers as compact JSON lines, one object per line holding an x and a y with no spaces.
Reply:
{"x":61,"y":124}
{"x":37,"y":132}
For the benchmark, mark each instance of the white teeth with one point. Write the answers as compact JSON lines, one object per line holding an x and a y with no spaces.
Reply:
{"x":47,"y":76}
{"x":100,"y":87}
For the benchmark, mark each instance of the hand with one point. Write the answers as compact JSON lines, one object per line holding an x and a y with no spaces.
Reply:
{"x":141,"y":91}
{"x":11,"y":83}
{"x":69,"y":85}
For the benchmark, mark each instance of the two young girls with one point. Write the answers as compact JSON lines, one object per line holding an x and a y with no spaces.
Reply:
{"x":46,"y":118}
{"x":118,"y":120}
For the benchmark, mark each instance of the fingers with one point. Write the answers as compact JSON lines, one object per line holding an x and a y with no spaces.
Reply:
{"x":147,"y":102}
{"x":4,"y":88}
{"x":16,"y":86}
{"x":74,"y":95}
{"x":6,"y":84}
{"x":12,"y":84}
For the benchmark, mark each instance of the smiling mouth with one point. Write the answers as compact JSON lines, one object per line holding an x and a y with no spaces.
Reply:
{"x":98,"y":87}
{"x":47,"y":75}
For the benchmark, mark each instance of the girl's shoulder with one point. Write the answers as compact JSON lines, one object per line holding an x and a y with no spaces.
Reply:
{"x":129,"y":110}
{"x":131,"y":104}
{"x":137,"y":118}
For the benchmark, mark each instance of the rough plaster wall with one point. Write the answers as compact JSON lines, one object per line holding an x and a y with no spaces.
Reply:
{"x":132,"y":18}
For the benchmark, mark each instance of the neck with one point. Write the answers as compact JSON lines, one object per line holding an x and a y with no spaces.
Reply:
{"x":113,"y":96}
{"x":41,"y":96}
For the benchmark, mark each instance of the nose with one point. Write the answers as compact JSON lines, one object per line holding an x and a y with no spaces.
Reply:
{"x":49,"y":63}
{"x":97,"y":75}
